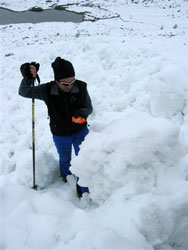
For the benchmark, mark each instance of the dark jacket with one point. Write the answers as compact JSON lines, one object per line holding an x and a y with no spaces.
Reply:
{"x":61,"y":106}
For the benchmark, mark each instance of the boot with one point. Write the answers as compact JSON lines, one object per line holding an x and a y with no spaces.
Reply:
{"x":79,"y":190}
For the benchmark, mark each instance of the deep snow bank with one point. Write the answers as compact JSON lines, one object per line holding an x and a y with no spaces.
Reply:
{"x":130,"y":152}
{"x":136,"y":170}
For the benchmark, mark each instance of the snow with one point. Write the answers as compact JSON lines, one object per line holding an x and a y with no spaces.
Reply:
{"x":134,"y":159}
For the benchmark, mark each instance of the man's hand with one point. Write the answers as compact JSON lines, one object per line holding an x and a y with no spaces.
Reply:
{"x":33,"y":71}
{"x":29,"y":70}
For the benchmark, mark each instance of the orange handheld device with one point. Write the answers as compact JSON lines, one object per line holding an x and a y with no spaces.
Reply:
{"x":78,"y":119}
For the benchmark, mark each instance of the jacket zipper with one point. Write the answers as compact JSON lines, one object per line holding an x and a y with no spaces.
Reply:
{"x":67,"y":113}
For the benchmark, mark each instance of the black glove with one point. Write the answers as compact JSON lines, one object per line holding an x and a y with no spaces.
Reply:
{"x":79,"y":113}
{"x":25,"y":69}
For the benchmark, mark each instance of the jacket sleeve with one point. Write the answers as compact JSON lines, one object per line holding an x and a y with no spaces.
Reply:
{"x":87,"y":109}
{"x":25,"y":90}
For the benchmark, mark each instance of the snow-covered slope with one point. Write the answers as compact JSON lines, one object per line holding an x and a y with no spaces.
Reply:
{"x":135,"y":158}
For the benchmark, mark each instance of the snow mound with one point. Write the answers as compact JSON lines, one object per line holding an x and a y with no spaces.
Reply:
{"x":130,"y":153}
{"x":168,"y":92}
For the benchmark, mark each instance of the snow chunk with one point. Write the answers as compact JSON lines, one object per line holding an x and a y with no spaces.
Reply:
{"x":168,"y":91}
{"x":111,"y":159}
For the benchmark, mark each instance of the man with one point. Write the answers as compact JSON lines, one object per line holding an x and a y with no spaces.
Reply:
{"x":68,"y":104}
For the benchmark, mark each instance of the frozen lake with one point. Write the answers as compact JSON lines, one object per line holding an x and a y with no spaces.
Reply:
{"x":50,"y":15}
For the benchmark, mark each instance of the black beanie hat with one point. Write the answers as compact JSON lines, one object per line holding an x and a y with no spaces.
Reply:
{"x":62,"y":69}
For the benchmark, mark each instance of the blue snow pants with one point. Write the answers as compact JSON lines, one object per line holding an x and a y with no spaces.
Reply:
{"x":64,"y":148}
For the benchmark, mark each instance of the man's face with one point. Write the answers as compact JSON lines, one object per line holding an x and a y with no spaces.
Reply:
{"x":65,"y":84}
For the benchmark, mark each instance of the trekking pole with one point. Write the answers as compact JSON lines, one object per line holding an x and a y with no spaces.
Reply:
{"x":33,"y":129}
{"x":33,"y":133}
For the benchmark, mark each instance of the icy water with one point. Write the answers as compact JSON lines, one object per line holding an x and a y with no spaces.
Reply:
{"x":51,"y":15}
